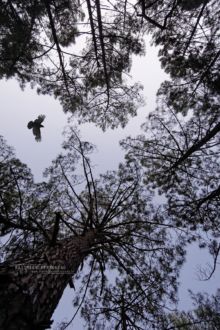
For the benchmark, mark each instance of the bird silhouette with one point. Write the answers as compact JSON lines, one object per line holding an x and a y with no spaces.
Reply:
{"x":36,"y":126}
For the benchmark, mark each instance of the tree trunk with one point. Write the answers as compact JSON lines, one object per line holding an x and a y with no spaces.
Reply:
{"x":31,"y":287}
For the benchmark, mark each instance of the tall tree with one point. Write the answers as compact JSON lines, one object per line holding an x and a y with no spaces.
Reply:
{"x":57,"y":226}
{"x":180,"y":155}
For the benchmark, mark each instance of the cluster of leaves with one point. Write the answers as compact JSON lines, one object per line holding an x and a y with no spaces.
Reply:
{"x":204,"y":316}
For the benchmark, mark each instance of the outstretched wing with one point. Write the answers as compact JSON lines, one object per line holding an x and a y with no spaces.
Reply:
{"x":39,"y":119}
{"x":30,"y":124}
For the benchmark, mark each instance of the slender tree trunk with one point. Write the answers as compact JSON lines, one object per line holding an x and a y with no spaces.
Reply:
{"x":31,"y":287}
{"x":197,"y":145}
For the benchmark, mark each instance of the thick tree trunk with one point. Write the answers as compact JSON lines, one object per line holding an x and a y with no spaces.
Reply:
{"x":31,"y":287}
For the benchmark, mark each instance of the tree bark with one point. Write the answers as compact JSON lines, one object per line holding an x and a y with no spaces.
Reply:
{"x":31,"y":286}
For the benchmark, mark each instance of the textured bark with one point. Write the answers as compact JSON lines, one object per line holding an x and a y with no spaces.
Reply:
{"x":31,"y":286}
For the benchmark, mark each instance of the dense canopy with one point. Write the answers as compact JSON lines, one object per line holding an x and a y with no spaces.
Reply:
{"x":124,"y":234}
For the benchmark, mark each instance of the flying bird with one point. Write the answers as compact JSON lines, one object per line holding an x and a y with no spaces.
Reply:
{"x":36,"y":126}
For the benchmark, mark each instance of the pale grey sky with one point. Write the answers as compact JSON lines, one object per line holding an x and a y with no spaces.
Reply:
{"x":18,"y":107}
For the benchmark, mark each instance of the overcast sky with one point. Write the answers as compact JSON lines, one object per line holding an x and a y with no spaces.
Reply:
{"x":18,"y":107}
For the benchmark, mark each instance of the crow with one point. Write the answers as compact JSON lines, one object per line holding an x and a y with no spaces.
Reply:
{"x":36,"y":126}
